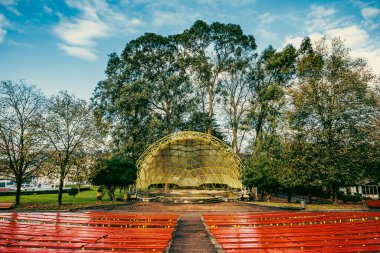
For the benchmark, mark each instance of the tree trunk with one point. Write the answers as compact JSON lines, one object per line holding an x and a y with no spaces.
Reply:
{"x":18,"y":191}
{"x":289,"y":196}
{"x":234,"y":140}
{"x":334,"y":195}
{"x":111,"y":193}
{"x":60,"y":189}
{"x":210,"y":113}
{"x":125,"y":194}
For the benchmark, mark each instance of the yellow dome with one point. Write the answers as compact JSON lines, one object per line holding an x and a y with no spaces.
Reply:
{"x":189,"y":160}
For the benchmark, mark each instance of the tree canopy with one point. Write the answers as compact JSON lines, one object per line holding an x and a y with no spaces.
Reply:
{"x":113,"y":173}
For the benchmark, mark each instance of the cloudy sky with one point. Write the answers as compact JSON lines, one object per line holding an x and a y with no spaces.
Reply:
{"x":64,"y":45}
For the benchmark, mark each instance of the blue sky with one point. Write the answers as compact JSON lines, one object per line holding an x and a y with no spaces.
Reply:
{"x":64,"y":44}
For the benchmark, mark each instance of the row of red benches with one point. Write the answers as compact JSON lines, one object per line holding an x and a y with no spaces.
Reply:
{"x":297,"y":232}
{"x":286,"y":219}
{"x":94,"y":219}
{"x":24,"y":232}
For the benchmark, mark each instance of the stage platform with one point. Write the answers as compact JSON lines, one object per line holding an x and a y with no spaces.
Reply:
{"x":187,"y":196}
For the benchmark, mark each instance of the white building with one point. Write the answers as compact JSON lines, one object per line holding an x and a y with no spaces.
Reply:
{"x":7,"y":183}
{"x":370,"y":191}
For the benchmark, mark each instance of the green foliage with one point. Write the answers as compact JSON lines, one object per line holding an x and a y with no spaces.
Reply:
{"x":199,"y":121}
{"x":73,"y":191}
{"x":271,"y":75}
{"x":208,"y":52}
{"x":259,"y":172}
{"x":114,"y":173}
{"x":311,"y":112}
{"x":146,"y":94}
{"x":349,"y":198}
{"x":331,"y":113}
{"x":262,"y":169}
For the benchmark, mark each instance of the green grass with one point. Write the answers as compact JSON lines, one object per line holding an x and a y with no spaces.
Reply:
{"x":314,"y":207}
{"x":49,"y":201}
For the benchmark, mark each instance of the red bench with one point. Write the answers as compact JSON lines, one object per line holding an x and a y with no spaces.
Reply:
{"x":297,"y":232}
{"x":105,"y":232}
{"x":373,"y":203}
{"x":6,"y":205}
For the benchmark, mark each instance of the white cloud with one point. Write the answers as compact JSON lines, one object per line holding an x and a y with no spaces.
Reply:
{"x":321,"y":18}
{"x":96,"y":20}
{"x":322,"y":22}
{"x":320,"y":11}
{"x":177,"y":18}
{"x":79,"y":52}
{"x":267,"y":34}
{"x":266,"y":18}
{"x":10,"y":5}
{"x":82,"y":32}
{"x":264,"y":28}
{"x":354,"y":36}
{"x":371,"y":22}
{"x":369,"y":13}
{"x":47,"y":9}
{"x":372,"y":57}
{"x":296,"y":41}
{"x":234,"y":3}
{"x":3,"y":24}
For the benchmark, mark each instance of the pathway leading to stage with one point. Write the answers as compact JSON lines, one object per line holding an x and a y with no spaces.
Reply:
{"x":191,"y":236}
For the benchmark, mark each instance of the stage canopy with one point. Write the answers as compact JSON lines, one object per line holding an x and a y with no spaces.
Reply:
{"x":189,"y":160}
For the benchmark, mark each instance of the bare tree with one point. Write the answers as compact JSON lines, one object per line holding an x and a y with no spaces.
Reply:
{"x":70,"y":130}
{"x":21,"y":145}
{"x":236,"y":92}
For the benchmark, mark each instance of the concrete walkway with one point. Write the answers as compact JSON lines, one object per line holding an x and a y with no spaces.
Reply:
{"x":191,"y":235}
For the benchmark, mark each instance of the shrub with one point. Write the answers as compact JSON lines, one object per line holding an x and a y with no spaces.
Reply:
{"x":73,"y":192}
{"x":349,"y":198}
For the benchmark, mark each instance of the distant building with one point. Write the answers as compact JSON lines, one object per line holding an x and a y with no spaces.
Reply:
{"x":370,"y":191}
{"x":7,"y":183}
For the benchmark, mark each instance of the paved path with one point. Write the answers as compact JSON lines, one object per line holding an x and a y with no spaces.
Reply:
{"x":191,"y":236}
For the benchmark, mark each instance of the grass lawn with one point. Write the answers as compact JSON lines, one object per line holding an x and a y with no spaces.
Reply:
{"x":49,"y":201}
{"x":314,"y":207}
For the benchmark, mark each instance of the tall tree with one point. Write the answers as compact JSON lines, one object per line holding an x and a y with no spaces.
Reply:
{"x":331,"y":109}
{"x":236,"y":92}
{"x":146,"y":92}
{"x":21,"y":144}
{"x":206,"y":52}
{"x":272,"y":74}
{"x":69,"y":129}
{"x":374,"y":139}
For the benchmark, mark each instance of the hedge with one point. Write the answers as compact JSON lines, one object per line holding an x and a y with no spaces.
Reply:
{"x":40,"y":192}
